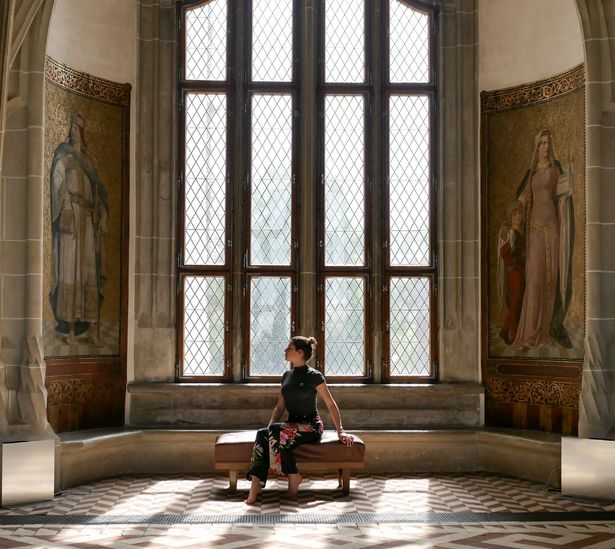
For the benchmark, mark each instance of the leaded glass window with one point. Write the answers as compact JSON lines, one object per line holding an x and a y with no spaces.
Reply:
{"x":270,"y":324}
{"x":205,"y":179}
{"x":306,"y":197}
{"x":344,"y":324}
{"x":344,"y":150}
{"x":272,"y":40}
{"x":409,"y":326}
{"x":271,"y":180}
{"x":206,"y":41}
{"x":204,"y":326}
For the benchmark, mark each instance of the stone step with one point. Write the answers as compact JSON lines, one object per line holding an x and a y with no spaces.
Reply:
{"x":231,"y":406}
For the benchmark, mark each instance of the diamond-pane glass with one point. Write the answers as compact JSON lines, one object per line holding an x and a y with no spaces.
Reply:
{"x":206,"y":41}
{"x":409,"y":327}
{"x":205,"y":178}
{"x":409,"y":44}
{"x":344,"y":41}
{"x":272,"y":40}
{"x":203,"y":326}
{"x":269,"y":324}
{"x":344,"y":180}
{"x":409,"y":176}
{"x":344,"y":326}
{"x":272,"y":124}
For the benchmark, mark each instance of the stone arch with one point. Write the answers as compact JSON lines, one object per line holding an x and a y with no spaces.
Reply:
{"x":23,"y":396}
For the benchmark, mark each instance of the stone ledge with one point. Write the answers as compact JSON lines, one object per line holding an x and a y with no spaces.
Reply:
{"x":90,"y":455}
{"x":226,"y":405}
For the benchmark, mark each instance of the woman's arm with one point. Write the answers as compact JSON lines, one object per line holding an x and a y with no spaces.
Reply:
{"x":278,"y":410}
{"x":323,"y":391}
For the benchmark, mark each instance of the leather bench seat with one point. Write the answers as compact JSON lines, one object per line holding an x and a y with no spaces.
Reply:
{"x":234,"y":450}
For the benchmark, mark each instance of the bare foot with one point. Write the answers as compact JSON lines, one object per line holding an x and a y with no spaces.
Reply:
{"x":294,"y":481}
{"x":255,"y":490}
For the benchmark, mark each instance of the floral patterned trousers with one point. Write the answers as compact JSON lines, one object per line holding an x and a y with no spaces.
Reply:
{"x":274,"y":444}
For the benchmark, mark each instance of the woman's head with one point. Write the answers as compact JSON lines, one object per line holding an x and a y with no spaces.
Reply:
{"x":303,"y":344}
{"x":543,"y":148}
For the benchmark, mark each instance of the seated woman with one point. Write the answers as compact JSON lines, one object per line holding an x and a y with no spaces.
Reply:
{"x":274,"y":443}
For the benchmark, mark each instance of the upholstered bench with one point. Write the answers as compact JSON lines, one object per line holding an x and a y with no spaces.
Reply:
{"x":234,"y":450}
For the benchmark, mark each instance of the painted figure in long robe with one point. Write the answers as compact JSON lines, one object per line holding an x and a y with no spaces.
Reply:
{"x":546,"y":193}
{"x":79,"y":213}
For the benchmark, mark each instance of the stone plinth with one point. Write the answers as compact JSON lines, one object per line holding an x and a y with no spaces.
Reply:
{"x":28,"y":471}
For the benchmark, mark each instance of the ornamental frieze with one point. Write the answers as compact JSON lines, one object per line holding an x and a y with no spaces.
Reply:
{"x":87,"y":85}
{"x":530,"y":94}
{"x":553,"y":393}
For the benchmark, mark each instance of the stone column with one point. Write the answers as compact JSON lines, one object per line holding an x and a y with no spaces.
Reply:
{"x":21,"y":213}
{"x":458,"y":194}
{"x":156,"y":194}
{"x":597,"y":400}
{"x":6,"y":24}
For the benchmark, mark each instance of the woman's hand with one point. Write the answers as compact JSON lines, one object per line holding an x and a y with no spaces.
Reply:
{"x":345,"y":438}
{"x":324,"y":393}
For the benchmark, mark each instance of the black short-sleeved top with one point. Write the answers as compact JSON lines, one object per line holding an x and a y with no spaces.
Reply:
{"x":299,"y":390}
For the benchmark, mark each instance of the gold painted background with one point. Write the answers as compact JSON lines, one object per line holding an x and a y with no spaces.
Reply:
{"x":510,"y":134}
{"x":105,"y":137}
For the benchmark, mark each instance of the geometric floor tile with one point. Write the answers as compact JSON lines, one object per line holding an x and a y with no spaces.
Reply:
{"x":357,"y":536}
{"x":414,"y":510}
{"x":411,"y":493}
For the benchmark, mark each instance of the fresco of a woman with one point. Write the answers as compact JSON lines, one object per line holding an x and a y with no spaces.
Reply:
{"x":545,"y":193}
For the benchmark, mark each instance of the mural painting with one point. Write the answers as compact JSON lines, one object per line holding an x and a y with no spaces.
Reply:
{"x":86,"y":166}
{"x":79,"y":212}
{"x":85,"y":243}
{"x":533,"y":151}
{"x":533,"y":254}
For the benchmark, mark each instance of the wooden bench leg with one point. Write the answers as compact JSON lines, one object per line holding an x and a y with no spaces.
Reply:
{"x":345,"y":481}
{"x":232,"y":481}
{"x":339,"y":478}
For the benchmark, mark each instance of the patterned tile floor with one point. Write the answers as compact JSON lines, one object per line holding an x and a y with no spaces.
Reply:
{"x":456,"y":510}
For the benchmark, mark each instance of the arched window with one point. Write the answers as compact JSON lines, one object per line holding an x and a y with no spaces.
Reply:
{"x":242,"y":227}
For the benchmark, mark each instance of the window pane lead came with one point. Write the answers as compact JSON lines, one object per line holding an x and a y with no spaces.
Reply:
{"x":272,"y":40}
{"x":409,"y":177}
{"x":344,"y":326}
{"x":408,"y":44}
{"x":344,"y":181}
{"x":344,"y":41}
{"x":271,"y":180}
{"x":409,"y":327}
{"x":203,"y":326}
{"x":205,"y":174}
{"x":206,"y":41}
{"x":270,"y":312}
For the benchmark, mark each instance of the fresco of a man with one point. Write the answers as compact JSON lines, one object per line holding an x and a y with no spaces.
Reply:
{"x":79,"y":212}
